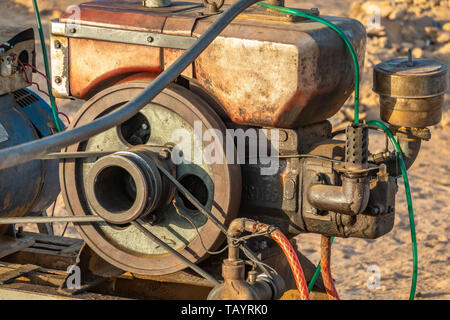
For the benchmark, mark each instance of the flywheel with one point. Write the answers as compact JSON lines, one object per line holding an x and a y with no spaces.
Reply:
{"x":126,"y":185}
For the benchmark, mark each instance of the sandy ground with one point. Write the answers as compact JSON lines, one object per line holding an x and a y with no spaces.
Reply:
{"x":351,"y":259}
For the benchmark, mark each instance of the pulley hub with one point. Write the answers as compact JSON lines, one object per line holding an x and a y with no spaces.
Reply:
{"x":127,"y":185}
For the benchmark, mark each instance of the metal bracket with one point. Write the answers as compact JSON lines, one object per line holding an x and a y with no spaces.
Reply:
{"x":151,"y":39}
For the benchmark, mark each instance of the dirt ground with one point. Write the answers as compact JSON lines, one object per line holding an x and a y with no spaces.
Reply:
{"x":429,"y":177}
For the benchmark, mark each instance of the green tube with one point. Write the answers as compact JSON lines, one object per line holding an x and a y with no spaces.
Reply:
{"x":374,"y":122}
{"x":338,"y":31}
{"x":47,"y":68}
{"x":410,"y":211}
{"x":316,"y":273}
{"x":408,"y":199}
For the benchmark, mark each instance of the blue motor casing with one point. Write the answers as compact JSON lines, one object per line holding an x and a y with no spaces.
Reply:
{"x":32,"y":186}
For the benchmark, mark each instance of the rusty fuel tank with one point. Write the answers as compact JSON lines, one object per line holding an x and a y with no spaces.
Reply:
{"x":265,"y":69}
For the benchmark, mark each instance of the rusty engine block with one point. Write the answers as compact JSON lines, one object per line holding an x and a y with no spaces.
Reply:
{"x":241,"y":133}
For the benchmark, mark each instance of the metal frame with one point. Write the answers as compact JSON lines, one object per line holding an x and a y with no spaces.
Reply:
{"x":151,"y":39}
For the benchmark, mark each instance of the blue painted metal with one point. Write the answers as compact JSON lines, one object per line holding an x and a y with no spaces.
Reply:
{"x":32,"y":186}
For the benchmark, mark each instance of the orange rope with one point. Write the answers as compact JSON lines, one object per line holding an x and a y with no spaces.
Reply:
{"x":291,"y":256}
{"x":325,"y":262}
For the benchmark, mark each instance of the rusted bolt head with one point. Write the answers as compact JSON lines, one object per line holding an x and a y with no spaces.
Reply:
{"x":150,"y":39}
{"x":58,"y":80}
{"x":73,"y":30}
{"x":58,"y":44}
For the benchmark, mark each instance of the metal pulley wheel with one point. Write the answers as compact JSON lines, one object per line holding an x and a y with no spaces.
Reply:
{"x":126,"y":185}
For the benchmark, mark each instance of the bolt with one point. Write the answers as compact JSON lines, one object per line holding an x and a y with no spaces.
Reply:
{"x":58,"y":44}
{"x":410,"y":58}
{"x":252,"y":275}
{"x":73,"y":30}
{"x":20,"y":231}
{"x":164,"y":154}
{"x":375,"y":210}
{"x":58,"y":80}
{"x":144,"y":126}
{"x":150,"y":39}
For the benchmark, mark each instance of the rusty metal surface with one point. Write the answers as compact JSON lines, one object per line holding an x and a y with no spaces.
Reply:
{"x":413,"y":113}
{"x":115,"y":62}
{"x":224,"y":204}
{"x":264,"y":73}
{"x":411,"y":91}
{"x":60,"y":66}
{"x":261,"y":80}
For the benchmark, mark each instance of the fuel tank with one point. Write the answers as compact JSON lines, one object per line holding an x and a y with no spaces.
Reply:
{"x":265,"y":69}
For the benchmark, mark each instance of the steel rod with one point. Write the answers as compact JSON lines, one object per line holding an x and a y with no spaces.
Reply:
{"x":64,"y":219}
{"x":76,"y":155}
{"x":190,"y":264}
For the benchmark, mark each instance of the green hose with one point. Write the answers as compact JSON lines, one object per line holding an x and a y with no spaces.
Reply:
{"x":47,"y":68}
{"x":408,"y":199}
{"x":316,"y":273}
{"x":410,"y":211}
{"x":338,"y":31}
{"x":374,"y":122}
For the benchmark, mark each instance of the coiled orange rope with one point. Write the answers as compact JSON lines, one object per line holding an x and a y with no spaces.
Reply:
{"x":290,"y":254}
{"x":325,"y":262}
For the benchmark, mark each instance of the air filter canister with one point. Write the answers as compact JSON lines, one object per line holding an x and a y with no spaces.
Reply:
{"x":411,"y":91}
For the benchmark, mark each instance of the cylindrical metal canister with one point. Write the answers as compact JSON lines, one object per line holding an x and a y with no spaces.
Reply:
{"x":411,"y":91}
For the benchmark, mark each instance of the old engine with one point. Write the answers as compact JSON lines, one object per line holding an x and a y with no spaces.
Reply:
{"x":241,"y":133}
